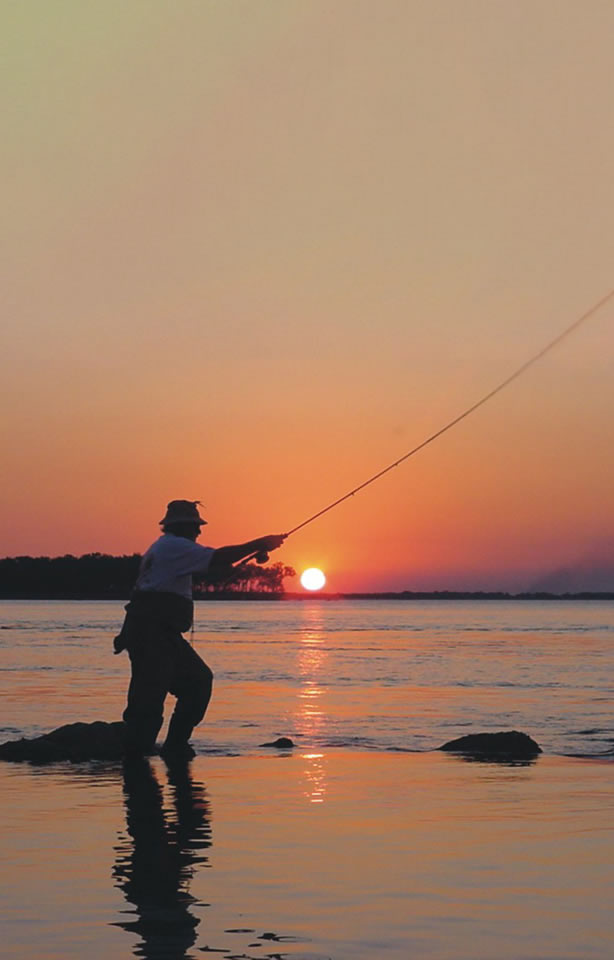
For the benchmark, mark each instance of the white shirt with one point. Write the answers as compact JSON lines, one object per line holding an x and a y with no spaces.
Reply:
{"x":169,"y":563}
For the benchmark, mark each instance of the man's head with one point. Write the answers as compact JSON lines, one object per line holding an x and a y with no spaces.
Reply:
{"x":182,"y":519}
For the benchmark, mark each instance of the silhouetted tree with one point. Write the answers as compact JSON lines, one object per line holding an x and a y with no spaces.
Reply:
{"x":248,"y":578}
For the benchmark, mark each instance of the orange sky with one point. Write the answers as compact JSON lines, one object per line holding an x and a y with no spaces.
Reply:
{"x":258,"y":251}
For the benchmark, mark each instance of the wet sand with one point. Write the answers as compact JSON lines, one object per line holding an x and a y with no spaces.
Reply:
{"x":310,"y":855}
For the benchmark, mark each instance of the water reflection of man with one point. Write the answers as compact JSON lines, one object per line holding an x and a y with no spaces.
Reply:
{"x":155,"y":861}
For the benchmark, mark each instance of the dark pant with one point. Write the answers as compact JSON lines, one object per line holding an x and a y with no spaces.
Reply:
{"x":163,"y":664}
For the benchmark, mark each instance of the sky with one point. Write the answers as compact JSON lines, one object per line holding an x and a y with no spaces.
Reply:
{"x":254,"y":252}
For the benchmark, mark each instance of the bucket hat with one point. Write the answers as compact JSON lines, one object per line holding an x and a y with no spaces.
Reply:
{"x":183,"y":511}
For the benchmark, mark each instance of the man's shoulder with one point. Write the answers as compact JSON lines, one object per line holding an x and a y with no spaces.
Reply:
{"x":155,"y":546}
{"x":172,"y":545}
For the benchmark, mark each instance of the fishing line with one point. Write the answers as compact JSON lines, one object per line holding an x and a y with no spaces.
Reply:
{"x":475,"y":406}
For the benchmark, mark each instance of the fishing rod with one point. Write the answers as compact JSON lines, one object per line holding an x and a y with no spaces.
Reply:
{"x":452,"y":423}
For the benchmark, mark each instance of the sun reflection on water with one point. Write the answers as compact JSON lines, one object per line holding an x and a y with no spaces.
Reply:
{"x":310,"y":719}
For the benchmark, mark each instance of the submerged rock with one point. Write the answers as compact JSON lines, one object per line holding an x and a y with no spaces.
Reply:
{"x":282,"y":743}
{"x":74,"y":742}
{"x":508,"y":745}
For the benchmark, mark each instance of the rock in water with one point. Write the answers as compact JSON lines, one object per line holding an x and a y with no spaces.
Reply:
{"x":74,"y":742}
{"x":509,"y":745}
{"x":282,"y":743}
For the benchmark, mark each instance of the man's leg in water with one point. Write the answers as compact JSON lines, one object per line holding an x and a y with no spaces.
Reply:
{"x":191,"y":683}
{"x":152,"y":660}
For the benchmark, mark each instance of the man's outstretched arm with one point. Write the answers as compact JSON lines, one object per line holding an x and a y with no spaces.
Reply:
{"x":224,"y":557}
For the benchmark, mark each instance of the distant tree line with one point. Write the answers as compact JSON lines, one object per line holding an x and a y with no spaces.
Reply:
{"x":462,"y":595}
{"x":99,"y":576}
{"x":93,"y":576}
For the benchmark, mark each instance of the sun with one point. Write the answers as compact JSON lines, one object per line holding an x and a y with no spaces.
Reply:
{"x":312,"y":579}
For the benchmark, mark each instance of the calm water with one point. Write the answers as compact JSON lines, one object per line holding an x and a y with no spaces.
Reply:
{"x":358,"y":674}
{"x":350,"y":847}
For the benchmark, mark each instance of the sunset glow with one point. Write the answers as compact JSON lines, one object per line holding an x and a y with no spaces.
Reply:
{"x":306,"y":359}
{"x":326,"y":284}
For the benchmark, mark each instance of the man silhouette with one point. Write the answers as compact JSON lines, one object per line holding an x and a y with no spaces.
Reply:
{"x":159,"y":612}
